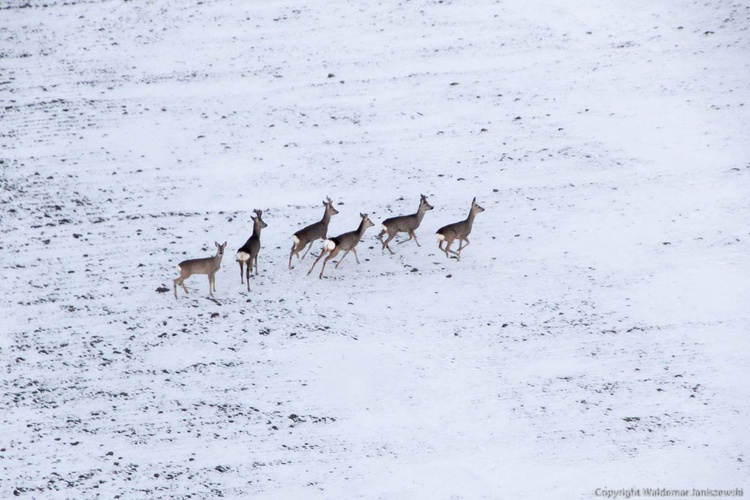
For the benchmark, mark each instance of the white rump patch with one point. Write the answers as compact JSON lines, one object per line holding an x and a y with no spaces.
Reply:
{"x":329,"y":245}
{"x":440,"y":237}
{"x":179,"y":268}
{"x":385,"y":228}
{"x":295,"y":240}
{"x":243,"y":256}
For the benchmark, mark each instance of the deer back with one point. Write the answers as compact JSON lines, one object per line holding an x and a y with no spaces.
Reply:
{"x":317,"y":230}
{"x":402,"y":223}
{"x":462,"y":228}
{"x":345,"y":241}
{"x":314,"y":231}
{"x":408,"y":222}
{"x":205,"y":265}
{"x":455,"y":230}
{"x":349,"y":240}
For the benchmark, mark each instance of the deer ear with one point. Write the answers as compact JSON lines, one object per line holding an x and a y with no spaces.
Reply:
{"x":217,"y":244}
{"x":225,"y":244}
{"x":474,"y":201}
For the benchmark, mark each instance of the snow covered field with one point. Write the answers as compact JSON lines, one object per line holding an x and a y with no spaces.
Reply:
{"x":594,"y":334}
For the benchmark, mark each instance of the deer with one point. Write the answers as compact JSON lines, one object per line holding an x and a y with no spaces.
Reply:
{"x":457,"y":230}
{"x":307,"y":235}
{"x":248,"y":253}
{"x":404,"y":223}
{"x":208,"y":266}
{"x":346,"y":241}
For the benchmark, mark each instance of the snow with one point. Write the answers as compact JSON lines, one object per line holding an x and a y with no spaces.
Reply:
{"x":593,"y":334}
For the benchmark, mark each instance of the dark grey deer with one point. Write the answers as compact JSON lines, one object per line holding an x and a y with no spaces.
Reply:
{"x":248,"y":253}
{"x":347,"y":242}
{"x":307,"y":235}
{"x":208,"y":266}
{"x":458,"y":231}
{"x":404,"y":224}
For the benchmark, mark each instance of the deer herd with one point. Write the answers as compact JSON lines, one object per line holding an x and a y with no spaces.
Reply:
{"x":247,"y":255}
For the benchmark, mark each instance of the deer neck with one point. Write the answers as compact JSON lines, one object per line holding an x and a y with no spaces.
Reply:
{"x":361,"y":229}
{"x":420,"y":213}
{"x":470,"y":218}
{"x":326,"y":218}
{"x":217,"y":258}
{"x":256,"y":230}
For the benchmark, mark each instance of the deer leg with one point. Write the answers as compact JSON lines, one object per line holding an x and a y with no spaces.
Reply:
{"x":322,"y":253}
{"x":240,"y":263}
{"x":309,"y":246}
{"x":291,"y":254}
{"x":444,"y":243}
{"x":448,"y":249}
{"x":331,"y":255}
{"x":411,"y":235}
{"x":256,"y":265}
{"x":385,"y":245}
{"x":380,"y":237}
{"x":414,"y":235}
{"x":355,"y":255}
{"x":181,"y":281}
{"x":462,"y":246}
{"x":342,"y":258}
{"x":249,"y":268}
{"x":247,"y":276}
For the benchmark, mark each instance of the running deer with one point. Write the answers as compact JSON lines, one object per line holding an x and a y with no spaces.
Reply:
{"x":458,"y":230}
{"x":306,"y":236}
{"x":208,"y":266}
{"x":248,"y":253}
{"x":346,"y":242}
{"x":404,"y":223}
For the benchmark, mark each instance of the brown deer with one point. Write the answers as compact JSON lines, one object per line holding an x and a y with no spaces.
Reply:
{"x":347,"y":242}
{"x":248,"y":253}
{"x":208,"y":266}
{"x":307,"y":235}
{"x":457,"y":231}
{"x":404,"y":223}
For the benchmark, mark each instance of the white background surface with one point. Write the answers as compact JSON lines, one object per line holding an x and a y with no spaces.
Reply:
{"x":594,"y":334}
